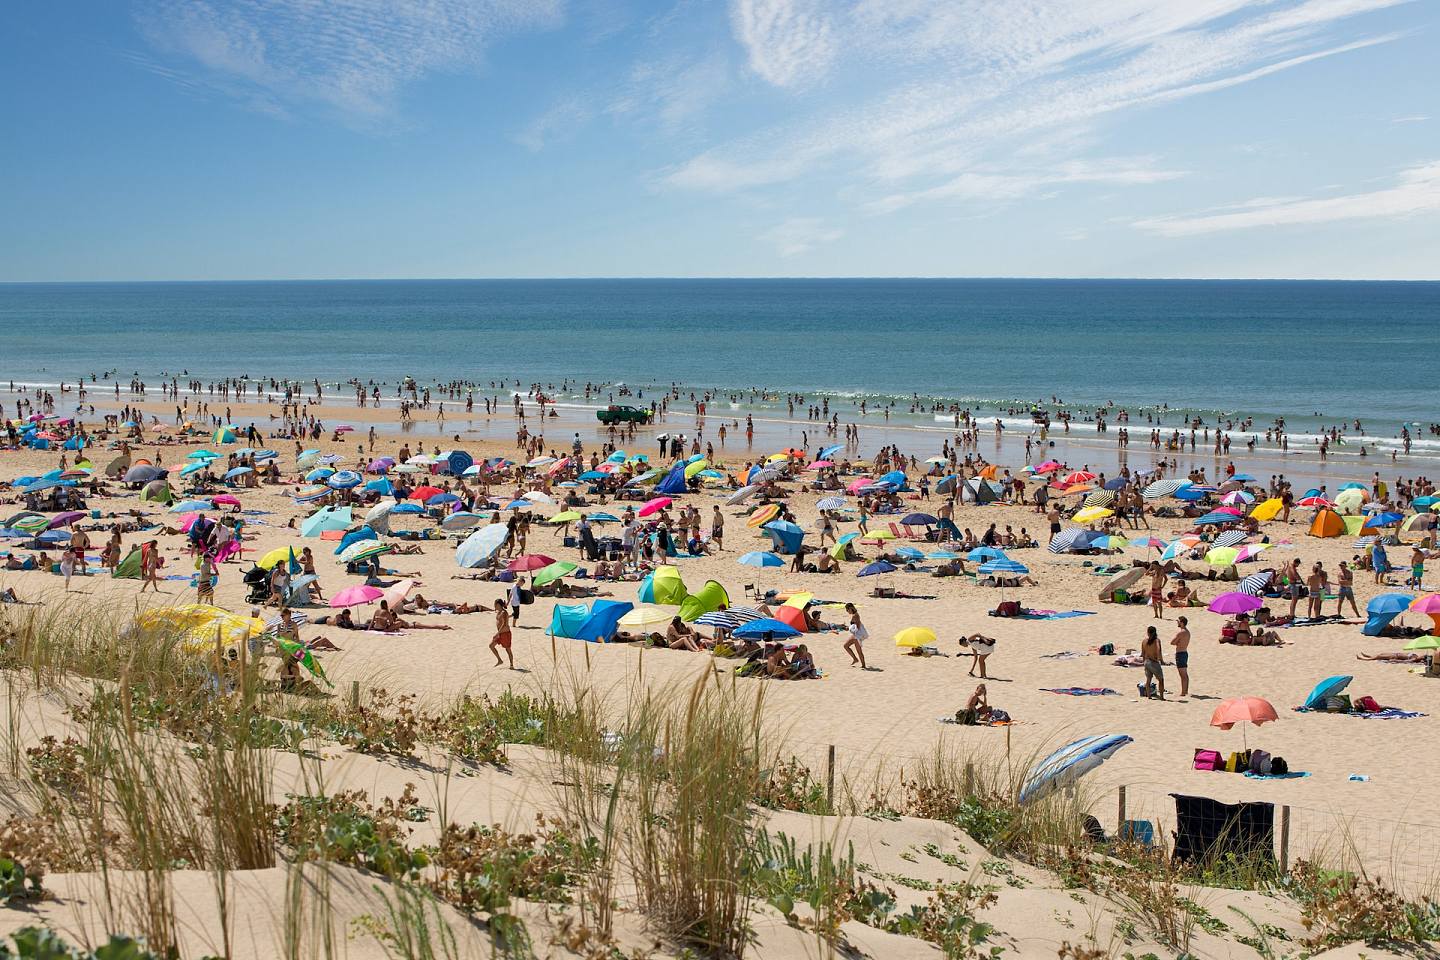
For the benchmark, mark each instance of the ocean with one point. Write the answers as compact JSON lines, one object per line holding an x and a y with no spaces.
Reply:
{"x":1316,"y":353}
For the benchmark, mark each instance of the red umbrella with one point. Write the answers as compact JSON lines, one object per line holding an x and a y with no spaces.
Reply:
{"x":792,"y":616}
{"x":425,"y":493}
{"x":1242,"y":710}
{"x":1314,"y":502}
{"x":529,"y":561}
{"x":651,"y":506}
{"x":1079,"y":476}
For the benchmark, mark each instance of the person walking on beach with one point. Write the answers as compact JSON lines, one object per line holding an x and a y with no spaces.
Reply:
{"x":1345,"y":580}
{"x":502,"y":639}
{"x":1157,"y":592}
{"x":1181,"y":643}
{"x":515,"y":599}
{"x":205,"y":580}
{"x":856,"y":637}
{"x":1154,"y":671}
{"x":150,"y":565}
{"x":1053,"y":515}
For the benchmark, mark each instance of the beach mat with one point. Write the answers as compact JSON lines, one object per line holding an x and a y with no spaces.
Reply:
{"x":1081,"y":691}
{"x":1054,"y":614}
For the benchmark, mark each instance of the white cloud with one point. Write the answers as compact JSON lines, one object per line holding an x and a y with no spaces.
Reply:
{"x":789,"y":42}
{"x":353,"y":56}
{"x":999,"y":186}
{"x":960,"y":90}
{"x":800,"y":235}
{"x":1416,"y":191}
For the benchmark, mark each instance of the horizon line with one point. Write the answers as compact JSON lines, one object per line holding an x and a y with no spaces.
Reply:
{"x":716,"y":277}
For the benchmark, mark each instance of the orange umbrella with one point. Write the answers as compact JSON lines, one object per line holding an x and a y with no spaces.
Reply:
{"x":988,"y":473}
{"x":1242,"y":710}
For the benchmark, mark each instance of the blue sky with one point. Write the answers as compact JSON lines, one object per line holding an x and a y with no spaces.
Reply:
{"x":195,"y":139}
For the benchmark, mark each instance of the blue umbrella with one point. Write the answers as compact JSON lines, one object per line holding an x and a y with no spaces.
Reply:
{"x":757,"y":629}
{"x":440,"y":499}
{"x":1243,"y":477}
{"x":1191,"y":494}
{"x":879,"y":566}
{"x":1390,"y":603}
{"x":1216,"y":517}
{"x":188,"y":506}
{"x":1329,"y":687}
{"x":344,"y":480}
{"x":760,"y":558}
{"x":1382,"y":520}
{"x":1116,"y":483}
{"x":319,"y":474}
{"x":919,"y":520}
{"x":1075,"y":538}
{"x":603,"y":518}
{"x":827,"y":452}
{"x":1421,"y":503}
{"x":236,"y":472}
{"x":981,"y":554}
{"x":408,"y":506}
{"x":894,"y":477}
{"x":1004,"y":565}
{"x":593,"y":475}
{"x":1069,"y":763}
{"x":194,"y":468}
{"x":381,"y":486}
{"x":1352,"y":485}
{"x":910,"y":553}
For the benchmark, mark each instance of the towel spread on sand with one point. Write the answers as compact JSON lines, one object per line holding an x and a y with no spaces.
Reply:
{"x":1055,"y":614}
{"x":1081,"y":691}
{"x":1386,"y":713}
{"x":1292,"y":775}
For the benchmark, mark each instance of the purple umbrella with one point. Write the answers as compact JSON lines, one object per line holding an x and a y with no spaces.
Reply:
{"x":1231,"y":603}
{"x":67,"y":518}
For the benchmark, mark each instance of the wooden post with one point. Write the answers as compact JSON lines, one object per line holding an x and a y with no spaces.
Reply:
{"x":830,"y":779}
{"x":354,"y":694}
{"x":1120,"y":823}
{"x":969,"y":778}
{"x":587,"y":658}
{"x":1007,"y":741}
{"x":554,"y":653}
{"x":1285,"y":839}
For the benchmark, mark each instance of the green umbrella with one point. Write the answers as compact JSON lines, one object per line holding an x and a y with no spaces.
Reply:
{"x":569,"y":516}
{"x":299,"y":651}
{"x":553,"y":572}
{"x":1427,"y":642}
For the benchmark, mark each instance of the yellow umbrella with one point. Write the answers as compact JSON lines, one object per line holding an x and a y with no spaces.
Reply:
{"x":275,"y":556}
{"x":799,"y":600}
{"x":837,"y":551}
{"x":693,"y":468}
{"x":1268,"y":510}
{"x":915,"y":637}
{"x":1090,"y":514}
{"x":646,"y":616}
{"x":1222,"y":557}
{"x":567,"y":516}
{"x":879,"y":535}
{"x":777,"y":456}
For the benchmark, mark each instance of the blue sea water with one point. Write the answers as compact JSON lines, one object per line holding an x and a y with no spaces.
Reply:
{"x":1263,"y":348}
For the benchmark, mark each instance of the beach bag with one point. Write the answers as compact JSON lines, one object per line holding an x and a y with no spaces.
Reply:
{"x":1260,"y":762}
{"x":1368,"y":704}
{"x":1237,"y":762}
{"x":1107,"y":650}
{"x":1008,"y":608}
{"x":999,"y":716}
{"x":1278,"y":767}
{"x":527,"y":597}
{"x":1207,"y":760}
{"x":1121,"y":596}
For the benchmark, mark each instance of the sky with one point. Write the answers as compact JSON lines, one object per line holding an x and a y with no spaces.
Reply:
{"x":274,"y":139}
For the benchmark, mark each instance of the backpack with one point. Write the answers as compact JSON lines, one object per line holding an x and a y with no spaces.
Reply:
{"x":1278,"y":767}
{"x":1107,"y":650}
{"x":1368,"y":704}
{"x":1207,"y":760}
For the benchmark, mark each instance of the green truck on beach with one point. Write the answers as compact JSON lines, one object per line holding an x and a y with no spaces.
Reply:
{"x":616,"y":414}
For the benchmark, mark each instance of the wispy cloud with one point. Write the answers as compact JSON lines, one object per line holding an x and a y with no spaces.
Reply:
{"x":352,"y":56}
{"x":1416,"y":191}
{"x":800,"y":235}
{"x":955,"y":92}
{"x":789,"y":42}
{"x":1000,"y":186}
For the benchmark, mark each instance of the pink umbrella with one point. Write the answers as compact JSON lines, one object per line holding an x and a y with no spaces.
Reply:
{"x":1048,"y":466}
{"x":1252,"y":550}
{"x":856,"y":485}
{"x":344,"y":428}
{"x":187,"y":520}
{"x":1235,"y":602}
{"x":557,"y":466}
{"x":1430,"y":603}
{"x":1233,"y":511}
{"x":652,"y":506}
{"x":820,"y":465}
{"x":528,"y":562}
{"x":399,"y":591}
{"x":355,"y":596}
{"x":225,"y":500}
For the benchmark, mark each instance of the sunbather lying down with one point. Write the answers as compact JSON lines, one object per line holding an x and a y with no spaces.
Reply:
{"x":1392,"y":657}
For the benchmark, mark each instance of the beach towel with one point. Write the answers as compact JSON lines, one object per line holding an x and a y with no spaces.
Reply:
{"x":1292,"y":775}
{"x":1388,"y":713}
{"x":1081,"y":691}
{"x":1063,"y":655}
{"x":983,"y":723}
{"x":1055,"y":614}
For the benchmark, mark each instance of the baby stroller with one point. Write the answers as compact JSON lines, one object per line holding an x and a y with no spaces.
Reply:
{"x":257,"y":583}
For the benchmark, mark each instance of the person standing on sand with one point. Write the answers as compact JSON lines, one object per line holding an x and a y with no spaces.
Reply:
{"x":1054,"y":517}
{"x":1154,"y":671}
{"x":1345,"y":581}
{"x":1181,"y":643}
{"x":1316,"y":584}
{"x":515,"y":599}
{"x":1293,"y":585}
{"x":205,"y":580}
{"x":856,"y":637}
{"x":150,"y":565}
{"x":1157,"y":592}
{"x":502,"y":638}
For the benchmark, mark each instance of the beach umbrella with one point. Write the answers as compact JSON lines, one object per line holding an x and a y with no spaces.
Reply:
{"x":553,"y":572}
{"x":1003,"y":565}
{"x":565,"y":516}
{"x":1247,"y":710}
{"x":1116,"y":483}
{"x":31,"y":525}
{"x":604,"y":518}
{"x":536,"y":496}
{"x":875,"y":536}
{"x":1427,"y":642}
{"x":481,"y":545}
{"x":646,"y":616}
{"x":345,"y":480}
{"x":910,"y":553}
{"x":763,"y":515}
{"x":915,"y":637}
{"x":981,"y":554}
{"x":1315,"y":501}
{"x":1068,"y":764}
{"x":190,"y":506}
{"x":66,"y":518}
{"x":830,"y":503}
{"x":1091,"y":514}
{"x":223,"y":435}
{"x":529,"y":562}
{"x":1164,"y":488}
{"x":1268,"y":510}
{"x":1387,"y":519}
{"x":1230,"y":538}
{"x":741,"y":495}
{"x":1237,"y":498}
{"x":919,"y":520}
{"x":311,"y":494}
{"x":354,"y":537}
{"x":235,"y":472}
{"x":1252,"y":550}
{"x":1222,"y":557}
{"x":326,"y":518}
{"x":1429,"y":603}
{"x":1178,"y":546}
{"x":1100,"y":498}
{"x":461,"y":521}
{"x":1256,"y":584}
{"x":1234,"y":602}
{"x":202,"y":455}
{"x":319,"y":475}
{"x":1424,"y":503}
{"x":760,"y":558}
{"x":356,"y":596}
{"x":757,"y":629}
{"x":278,"y":555}
{"x":423,"y":493}
{"x":143,"y":473}
{"x":1109,"y":542}
{"x":1122,"y":580}
{"x":1215,"y":517}
{"x":381,"y":509}
{"x":1049,"y":466}
{"x":1390,"y":603}
{"x":1074,"y":538}
{"x":1329,"y":687}
{"x":363,"y":550}
{"x":440,"y":499}
{"x":654,"y":505}
{"x":1148,"y":542}
{"x":719,"y":619}
{"x":1079,"y":476}
{"x":398,"y":591}
{"x":876,"y":568}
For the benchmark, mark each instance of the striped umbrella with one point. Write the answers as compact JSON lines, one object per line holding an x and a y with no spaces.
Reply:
{"x":1003,"y":565}
{"x":830,"y":503}
{"x":1256,"y":583}
{"x":296,"y":617}
{"x":1214,"y":517}
{"x":1100,"y":498}
{"x":1074,"y":538}
{"x":720,"y":620}
{"x":745,"y":614}
{"x":1231,"y":538}
{"x":1164,"y":488}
